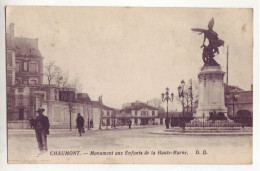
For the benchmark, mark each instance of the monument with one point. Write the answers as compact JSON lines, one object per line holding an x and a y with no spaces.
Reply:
{"x":211,"y":86}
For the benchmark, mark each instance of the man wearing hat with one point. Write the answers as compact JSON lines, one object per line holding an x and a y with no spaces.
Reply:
{"x":80,"y":124}
{"x":42,"y":126}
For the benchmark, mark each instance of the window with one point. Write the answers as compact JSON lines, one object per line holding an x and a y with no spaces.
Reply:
{"x":144,"y":113}
{"x":17,"y":82}
{"x":25,"y":66}
{"x":135,"y":112}
{"x":18,"y":67}
{"x":107,"y":113}
{"x":20,"y":90}
{"x":153,"y":113}
{"x":33,"y":68}
{"x":25,"y":82}
{"x":33,"y":82}
{"x":9,"y":104}
{"x":9,"y":59}
{"x":21,"y":99}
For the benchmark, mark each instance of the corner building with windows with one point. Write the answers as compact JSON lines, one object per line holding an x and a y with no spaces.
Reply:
{"x":26,"y":92}
{"x":24,"y":75}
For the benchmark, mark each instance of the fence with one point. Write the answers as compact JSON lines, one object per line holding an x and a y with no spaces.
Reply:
{"x":213,"y":122}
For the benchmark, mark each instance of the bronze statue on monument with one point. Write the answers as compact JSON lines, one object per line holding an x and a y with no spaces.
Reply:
{"x":212,"y":48}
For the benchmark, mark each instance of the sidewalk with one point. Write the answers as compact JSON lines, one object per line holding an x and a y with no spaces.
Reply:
{"x":104,"y":128}
{"x":222,"y":131}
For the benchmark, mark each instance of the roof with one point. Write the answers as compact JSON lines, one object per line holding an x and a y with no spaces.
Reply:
{"x":23,"y":46}
{"x":97,"y":104}
{"x":26,"y":47}
{"x":138,"y":106}
{"x":106,"y":107}
{"x":231,"y":87}
{"x":83,"y":97}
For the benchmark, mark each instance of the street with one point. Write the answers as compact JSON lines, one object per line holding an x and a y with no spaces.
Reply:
{"x":100,"y":146}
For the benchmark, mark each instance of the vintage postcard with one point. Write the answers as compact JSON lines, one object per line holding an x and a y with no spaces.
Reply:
{"x":136,"y":85}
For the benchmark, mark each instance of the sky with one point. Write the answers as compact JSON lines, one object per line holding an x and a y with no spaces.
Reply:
{"x":129,"y":53}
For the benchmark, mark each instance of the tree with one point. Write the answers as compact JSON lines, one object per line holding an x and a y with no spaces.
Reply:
{"x":76,"y":84}
{"x":50,"y":71}
{"x":61,"y":78}
{"x":190,"y":95}
{"x":157,"y":103}
{"x":55,"y":74}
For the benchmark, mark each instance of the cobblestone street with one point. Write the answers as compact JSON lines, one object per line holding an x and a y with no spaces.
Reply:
{"x":22,"y":147}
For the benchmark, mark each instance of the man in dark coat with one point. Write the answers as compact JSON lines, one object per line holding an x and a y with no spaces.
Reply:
{"x":42,"y":126}
{"x":129,"y":123}
{"x":32,"y":123}
{"x":91,"y":123}
{"x":80,"y":123}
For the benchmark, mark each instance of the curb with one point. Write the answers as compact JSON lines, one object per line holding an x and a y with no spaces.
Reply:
{"x":203,"y":134}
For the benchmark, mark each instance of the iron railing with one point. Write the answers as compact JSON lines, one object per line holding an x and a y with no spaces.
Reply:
{"x":209,"y":122}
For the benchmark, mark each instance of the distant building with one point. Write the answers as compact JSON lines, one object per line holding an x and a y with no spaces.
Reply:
{"x":244,"y":101}
{"x":139,"y":113}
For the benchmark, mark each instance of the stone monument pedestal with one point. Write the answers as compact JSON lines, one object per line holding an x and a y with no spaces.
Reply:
{"x":211,"y":91}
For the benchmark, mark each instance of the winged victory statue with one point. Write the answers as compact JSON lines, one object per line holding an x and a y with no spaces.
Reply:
{"x":214,"y":43}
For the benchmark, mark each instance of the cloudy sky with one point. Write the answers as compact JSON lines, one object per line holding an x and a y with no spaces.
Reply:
{"x":129,"y":54}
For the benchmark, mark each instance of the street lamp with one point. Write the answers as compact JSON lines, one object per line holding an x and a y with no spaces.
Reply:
{"x":191,"y":97}
{"x":181,"y":95}
{"x":233,"y":95}
{"x":167,"y":98}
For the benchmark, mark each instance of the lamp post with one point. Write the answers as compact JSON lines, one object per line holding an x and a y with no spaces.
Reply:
{"x":167,"y":98}
{"x":191,"y":97}
{"x":181,"y":95}
{"x":233,"y":95}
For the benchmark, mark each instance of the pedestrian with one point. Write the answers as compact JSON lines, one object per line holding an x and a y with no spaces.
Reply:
{"x":32,"y":123}
{"x":91,"y":123}
{"x":80,"y":124}
{"x":129,"y":123}
{"x":42,"y":126}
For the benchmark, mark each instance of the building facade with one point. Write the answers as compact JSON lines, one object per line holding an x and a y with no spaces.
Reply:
{"x":242,"y":102}
{"x":24,"y":66}
{"x":26,"y":91}
{"x":139,"y":113}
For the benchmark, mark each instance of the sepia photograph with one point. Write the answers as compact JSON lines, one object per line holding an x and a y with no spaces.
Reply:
{"x":129,"y":85}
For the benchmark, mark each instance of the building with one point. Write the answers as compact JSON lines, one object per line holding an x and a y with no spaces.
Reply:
{"x":26,"y":91}
{"x":244,"y":101}
{"x":24,"y":66}
{"x":139,"y":113}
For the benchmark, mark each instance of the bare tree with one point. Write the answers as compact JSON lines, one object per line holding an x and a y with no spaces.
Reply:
{"x":190,"y":95}
{"x":50,"y":71}
{"x":61,"y":77}
{"x":75,"y":83}
{"x":157,"y":103}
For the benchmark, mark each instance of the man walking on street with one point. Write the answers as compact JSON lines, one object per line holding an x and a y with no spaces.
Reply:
{"x":42,"y":126}
{"x":129,"y":123}
{"x":80,"y":123}
{"x":91,"y":123}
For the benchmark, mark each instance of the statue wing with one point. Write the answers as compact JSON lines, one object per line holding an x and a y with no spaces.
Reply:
{"x":211,"y":23}
{"x":199,"y":30}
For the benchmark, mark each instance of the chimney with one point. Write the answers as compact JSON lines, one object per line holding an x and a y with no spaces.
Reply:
{"x":36,"y":42}
{"x":11,"y":29}
{"x":252,"y":87}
